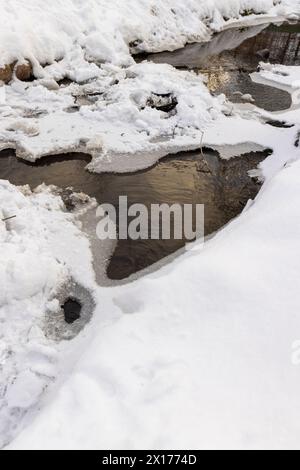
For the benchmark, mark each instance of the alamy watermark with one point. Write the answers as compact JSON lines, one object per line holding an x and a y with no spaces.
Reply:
{"x":157,"y":222}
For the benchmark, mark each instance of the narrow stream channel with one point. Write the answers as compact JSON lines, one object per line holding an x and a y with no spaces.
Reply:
{"x":187,"y":178}
{"x":228,"y":59}
{"x":223,"y":186}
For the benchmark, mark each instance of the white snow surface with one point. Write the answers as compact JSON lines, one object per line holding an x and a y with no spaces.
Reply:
{"x":44,"y":32}
{"x":200,"y":354}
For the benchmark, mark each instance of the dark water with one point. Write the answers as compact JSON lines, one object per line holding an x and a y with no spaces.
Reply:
{"x":276,"y":44}
{"x":223,"y":186}
{"x":228,"y":59}
{"x":187,"y":178}
{"x":282,"y":42}
{"x":72,"y":310}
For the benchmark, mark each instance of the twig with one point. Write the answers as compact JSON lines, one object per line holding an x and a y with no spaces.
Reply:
{"x":201,"y":143}
{"x":9,"y":218}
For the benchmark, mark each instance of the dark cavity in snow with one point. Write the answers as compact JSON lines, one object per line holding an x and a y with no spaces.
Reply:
{"x":224,"y":186}
{"x":72,"y":309}
{"x":77,"y":308}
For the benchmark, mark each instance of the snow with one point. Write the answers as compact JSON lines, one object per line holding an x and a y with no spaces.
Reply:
{"x":34,"y":30}
{"x":117,"y":125}
{"x":199,"y":354}
{"x":119,"y":122}
{"x":108,"y":113}
{"x":203,"y":357}
{"x":34,"y":267}
{"x":286,"y":77}
{"x":119,"y":130}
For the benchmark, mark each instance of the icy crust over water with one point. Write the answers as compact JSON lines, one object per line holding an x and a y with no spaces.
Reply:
{"x":44,"y":32}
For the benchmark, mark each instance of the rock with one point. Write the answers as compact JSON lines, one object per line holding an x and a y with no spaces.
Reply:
{"x":163,"y":102}
{"x":6,"y":73}
{"x":23,"y":71}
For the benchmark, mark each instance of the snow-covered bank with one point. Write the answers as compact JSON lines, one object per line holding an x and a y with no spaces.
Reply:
{"x":39,"y":255}
{"x":203,"y":354}
{"x":200,"y":355}
{"x":121,"y":124}
{"x":44,"y":32}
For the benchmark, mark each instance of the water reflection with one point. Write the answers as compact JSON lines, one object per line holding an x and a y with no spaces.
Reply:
{"x":187,"y":178}
{"x":277,"y":44}
{"x":230,"y":56}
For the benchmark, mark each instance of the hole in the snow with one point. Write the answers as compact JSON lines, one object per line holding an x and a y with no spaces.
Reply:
{"x":72,"y":310}
{"x":75,"y":309}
